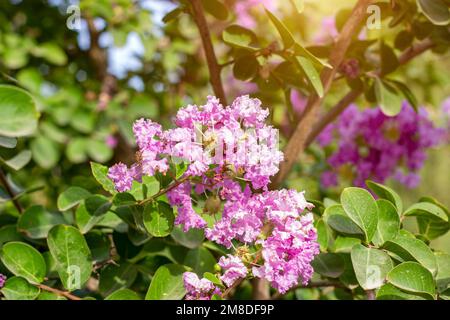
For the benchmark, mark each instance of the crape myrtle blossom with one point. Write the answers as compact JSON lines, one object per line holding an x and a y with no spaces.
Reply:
{"x":198,"y":289}
{"x":2,"y":280}
{"x":234,"y":136}
{"x":230,"y":153}
{"x":374,"y":146}
{"x":234,"y":269}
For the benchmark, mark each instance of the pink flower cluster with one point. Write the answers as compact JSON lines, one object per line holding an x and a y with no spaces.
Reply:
{"x":2,"y":280}
{"x":198,"y":289}
{"x":244,"y":157}
{"x":234,"y":136}
{"x":276,"y":224}
{"x":374,"y":146}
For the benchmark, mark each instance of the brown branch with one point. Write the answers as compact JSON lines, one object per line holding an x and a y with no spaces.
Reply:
{"x":331,"y":115}
{"x":296,"y":144}
{"x":61,"y":293}
{"x":211,"y":59}
{"x":416,"y":50}
{"x":10,"y":191}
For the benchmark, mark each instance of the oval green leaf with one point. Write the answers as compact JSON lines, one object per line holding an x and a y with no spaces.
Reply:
{"x":18,"y":113}
{"x":360,"y":206}
{"x":36,"y":222}
{"x":412,"y":277}
{"x":24,"y":261}
{"x":72,"y":256}
{"x":371,"y":266}
{"x":167,"y":283}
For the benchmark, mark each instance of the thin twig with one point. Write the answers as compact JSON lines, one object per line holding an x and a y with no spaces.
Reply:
{"x":211,"y":59}
{"x":10,"y":192}
{"x":61,"y":293}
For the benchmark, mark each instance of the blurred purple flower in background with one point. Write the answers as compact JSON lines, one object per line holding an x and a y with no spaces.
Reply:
{"x":2,"y":280}
{"x":245,"y":8}
{"x":374,"y":146}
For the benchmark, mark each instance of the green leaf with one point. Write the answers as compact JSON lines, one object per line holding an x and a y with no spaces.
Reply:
{"x":97,"y":204}
{"x":388,"y":99}
{"x":412,"y":277}
{"x":432,"y":228}
{"x":123,"y":294}
{"x":389,"y":292}
{"x":114,"y":277}
{"x":411,"y":249}
{"x":51,"y":52}
{"x":190,"y":239}
{"x":72,"y":256}
{"x":360,"y":206}
{"x":200,"y":260}
{"x":123,"y":199}
{"x":76,"y":150}
{"x":389,"y":61}
{"x":245,"y":68}
{"x":213,"y":278}
{"x":45,"y":152}
{"x":45,"y":295}
{"x":344,"y":244}
{"x":299,"y":50}
{"x":407,"y":93}
{"x":7,"y":142}
{"x":150,"y":186}
{"x":100,"y":173}
{"x":435,"y":10}
{"x":17,"y":288}
{"x":217,"y":9}
{"x":172,"y":15}
{"x":71,"y":197}
{"x":338,"y":220}
{"x":98,"y":150}
{"x":286,"y":36}
{"x":20,"y":160}
{"x":99,"y":244}
{"x":18,"y":113}
{"x":371,"y":266}
{"x":328,"y":264}
{"x":9,"y":233}
{"x":36,"y":222}
{"x":91,"y":212}
{"x":311,"y":74}
{"x":24,"y":261}
{"x":322,"y":234}
{"x":158,"y":219}
{"x":167,"y":283}
{"x":386,"y":193}
{"x":427,"y":210}
{"x":238,"y":36}
{"x":443,"y":275}
{"x":388,"y":222}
